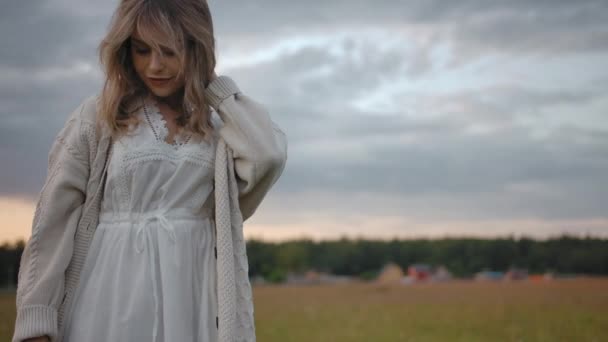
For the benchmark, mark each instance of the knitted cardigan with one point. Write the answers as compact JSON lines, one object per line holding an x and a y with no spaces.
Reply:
{"x":250,"y":157}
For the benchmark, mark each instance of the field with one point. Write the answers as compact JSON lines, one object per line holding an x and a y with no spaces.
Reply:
{"x":559,"y":310}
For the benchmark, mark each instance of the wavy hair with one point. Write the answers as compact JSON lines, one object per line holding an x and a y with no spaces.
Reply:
{"x":184,"y":26}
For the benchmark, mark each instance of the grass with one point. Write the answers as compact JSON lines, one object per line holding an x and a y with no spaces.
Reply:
{"x":559,"y":310}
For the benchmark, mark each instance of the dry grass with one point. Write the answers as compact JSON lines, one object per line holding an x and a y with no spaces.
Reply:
{"x":564,"y":310}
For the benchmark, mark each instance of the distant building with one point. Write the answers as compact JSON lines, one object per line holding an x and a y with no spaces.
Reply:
{"x":419,"y":272}
{"x":487,"y":275}
{"x":540,"y":277}
{"x":441,"y":273}
{"x":311,"y":277}
{"x":516,"y":274}
{"x":390,"y":273}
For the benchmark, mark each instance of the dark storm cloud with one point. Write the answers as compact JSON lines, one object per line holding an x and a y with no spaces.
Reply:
{"x":53,"y":31}
{"x":419,"y":156}
{"x":455,"y":167}
{"x":39,"y":34}
{"x":472,"y":26}
{"x":439,"y":157}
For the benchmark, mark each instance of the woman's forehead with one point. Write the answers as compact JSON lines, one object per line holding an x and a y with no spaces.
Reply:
{"x":150,"y":38}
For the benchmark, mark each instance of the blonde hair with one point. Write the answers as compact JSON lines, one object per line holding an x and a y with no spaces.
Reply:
{"x":186,"y":27}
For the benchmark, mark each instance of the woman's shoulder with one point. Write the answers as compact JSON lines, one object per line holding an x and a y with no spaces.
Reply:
{"x":82,"y":127}
{"x":88,"y":108}
{"x":88,"y":114}
{"x":84,"y":113}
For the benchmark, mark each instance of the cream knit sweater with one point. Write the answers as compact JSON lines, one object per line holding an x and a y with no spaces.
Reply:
{"x":251,"y":155}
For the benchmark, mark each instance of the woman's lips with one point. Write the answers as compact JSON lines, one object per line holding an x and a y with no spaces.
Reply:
{"x":159,"y":82}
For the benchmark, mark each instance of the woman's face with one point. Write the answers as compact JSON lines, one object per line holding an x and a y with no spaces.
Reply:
{"x":158,"y":72}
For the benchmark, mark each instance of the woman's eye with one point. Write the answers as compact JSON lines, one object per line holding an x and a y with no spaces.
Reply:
{"x":145,"y":51}
{"x":169,"y":53}
{"x":142,"y":51}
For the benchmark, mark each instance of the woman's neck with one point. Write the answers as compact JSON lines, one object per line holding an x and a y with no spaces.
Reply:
{"x":173,"y":101}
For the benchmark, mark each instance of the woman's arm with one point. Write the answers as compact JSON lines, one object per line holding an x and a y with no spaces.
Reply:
{"x":45,"y":258}
{"x":259,"y":145}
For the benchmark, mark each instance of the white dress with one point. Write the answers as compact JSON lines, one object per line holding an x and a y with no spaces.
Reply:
{"x":150,"y":271}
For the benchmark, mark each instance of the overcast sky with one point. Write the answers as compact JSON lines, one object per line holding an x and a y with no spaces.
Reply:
{"x":404,"y":118}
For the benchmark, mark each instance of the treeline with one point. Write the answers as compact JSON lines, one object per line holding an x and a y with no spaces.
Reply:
{"x":364,"y":258}
{"x":462,"y":256}
{"x":10,"y":255}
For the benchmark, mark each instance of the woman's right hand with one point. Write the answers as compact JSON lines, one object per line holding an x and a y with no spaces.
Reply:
{"x":38,"y":339}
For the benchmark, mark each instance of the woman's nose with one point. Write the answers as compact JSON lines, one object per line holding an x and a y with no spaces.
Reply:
{"x":156,"y":61}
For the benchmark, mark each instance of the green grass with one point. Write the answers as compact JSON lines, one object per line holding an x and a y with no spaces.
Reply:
{"x":564,"y":310}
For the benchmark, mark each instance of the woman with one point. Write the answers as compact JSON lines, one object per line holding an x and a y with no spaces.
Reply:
{"x":137,"y":234}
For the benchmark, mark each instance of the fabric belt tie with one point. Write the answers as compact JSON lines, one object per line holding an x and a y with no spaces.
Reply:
{"x":144,"y":233}
{"x":141,"y":228}
{"x":143,"y":238}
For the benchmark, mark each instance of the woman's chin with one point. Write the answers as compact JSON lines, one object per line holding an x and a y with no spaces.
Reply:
{"x":161,"y":92}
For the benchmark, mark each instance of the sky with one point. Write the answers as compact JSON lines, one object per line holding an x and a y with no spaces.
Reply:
{"x":405,"y":119}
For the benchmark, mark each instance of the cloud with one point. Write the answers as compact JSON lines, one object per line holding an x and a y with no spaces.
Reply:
{"x":472,"y":28}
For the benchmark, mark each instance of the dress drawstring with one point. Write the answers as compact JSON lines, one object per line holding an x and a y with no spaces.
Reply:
{"x":144,"y":239}
{"x":143,"y":232}
{"x":141,"y":227}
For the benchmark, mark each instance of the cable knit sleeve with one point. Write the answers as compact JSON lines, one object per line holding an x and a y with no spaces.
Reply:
{"x":259,"y":145}
{"x":40,"y":287}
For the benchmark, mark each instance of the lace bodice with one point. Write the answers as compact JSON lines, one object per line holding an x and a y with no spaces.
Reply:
{"x":146,"y":173}
{"x":158,"y":124}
